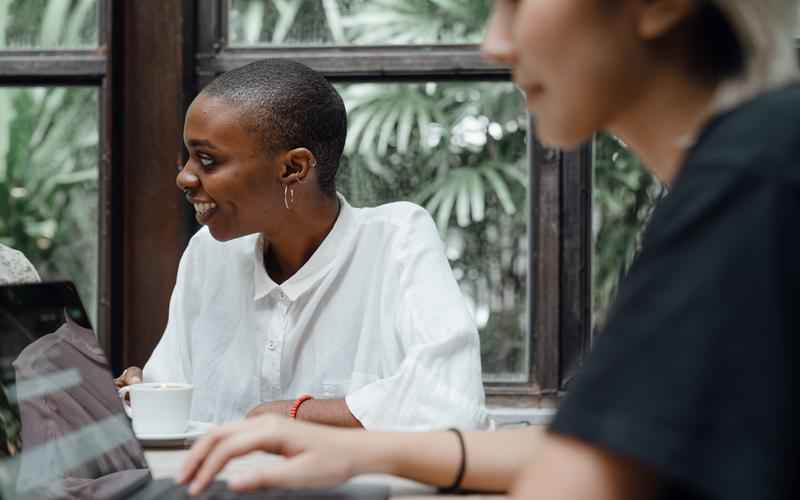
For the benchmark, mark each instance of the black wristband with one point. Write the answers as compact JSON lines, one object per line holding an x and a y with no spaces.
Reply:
{"x":462,"y":468}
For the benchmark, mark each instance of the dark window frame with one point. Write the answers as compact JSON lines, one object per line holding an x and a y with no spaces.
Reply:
{"x":559,"y":232}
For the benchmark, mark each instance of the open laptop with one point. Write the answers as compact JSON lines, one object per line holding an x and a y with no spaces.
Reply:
{"x":63,"y":431}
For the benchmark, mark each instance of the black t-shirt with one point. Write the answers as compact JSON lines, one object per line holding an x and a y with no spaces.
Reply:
{"x":693,"y":376}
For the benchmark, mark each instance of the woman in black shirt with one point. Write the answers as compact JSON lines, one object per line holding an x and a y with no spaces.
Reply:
{"x":689,"y":393}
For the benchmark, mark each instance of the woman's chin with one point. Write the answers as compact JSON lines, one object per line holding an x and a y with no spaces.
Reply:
{"x":568,"y":138}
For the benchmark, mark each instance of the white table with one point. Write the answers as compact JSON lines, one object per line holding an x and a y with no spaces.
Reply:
{"x":166,"y":463}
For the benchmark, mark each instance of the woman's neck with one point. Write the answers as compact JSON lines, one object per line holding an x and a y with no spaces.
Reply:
{"x":305,"y":231}
{"x":665,"y":121}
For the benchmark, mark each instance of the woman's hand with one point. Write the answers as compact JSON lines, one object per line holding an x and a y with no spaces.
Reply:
{"x":129,"y":376}
{"x":316,"y":455}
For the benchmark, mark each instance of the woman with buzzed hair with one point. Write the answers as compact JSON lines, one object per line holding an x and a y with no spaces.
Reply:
{"x":291,"y":301}
{"x":690,"y":393}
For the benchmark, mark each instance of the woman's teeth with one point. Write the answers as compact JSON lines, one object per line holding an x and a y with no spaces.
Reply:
{"x":202,"y":208}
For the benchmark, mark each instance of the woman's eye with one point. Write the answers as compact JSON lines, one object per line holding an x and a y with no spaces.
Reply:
{"x":205,"y":161}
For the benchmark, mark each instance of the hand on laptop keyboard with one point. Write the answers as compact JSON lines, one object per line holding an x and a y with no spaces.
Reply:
{"x":316,"y":456}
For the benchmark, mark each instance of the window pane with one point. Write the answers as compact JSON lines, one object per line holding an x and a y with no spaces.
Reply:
{"x":356,"y":22}
{"x":459,"y":149}
{"x":48,"y":24}
{"x":48,"y":181}
{"x":624,"y":196}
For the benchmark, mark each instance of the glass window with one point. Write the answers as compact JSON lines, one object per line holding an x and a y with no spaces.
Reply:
{"x":356,"y":22}
{"x":48,"y":24}
{"x":48,"y":181}
{"x":623,"y":197}
{"x":458,"y":149}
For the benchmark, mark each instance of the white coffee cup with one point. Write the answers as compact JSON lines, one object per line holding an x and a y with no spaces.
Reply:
{"x":158,"y":408}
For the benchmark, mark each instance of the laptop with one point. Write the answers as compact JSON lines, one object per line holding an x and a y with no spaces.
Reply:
{"x":63,"y":431}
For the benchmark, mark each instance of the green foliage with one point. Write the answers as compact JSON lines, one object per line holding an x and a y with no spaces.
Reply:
{"x":48,"y":23}
{"x":10,"y":426}
{"x":48,"y":180}
{"x":357,"y":22}
{"x":624,"y":195}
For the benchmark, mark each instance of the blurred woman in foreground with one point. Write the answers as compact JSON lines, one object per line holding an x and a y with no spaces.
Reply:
{"x":689,"y":392}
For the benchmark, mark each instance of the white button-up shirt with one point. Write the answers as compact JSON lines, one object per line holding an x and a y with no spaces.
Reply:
{"x":374,"y":317}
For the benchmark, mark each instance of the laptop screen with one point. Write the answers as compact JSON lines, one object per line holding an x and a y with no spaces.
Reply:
{"x":63,"y":431}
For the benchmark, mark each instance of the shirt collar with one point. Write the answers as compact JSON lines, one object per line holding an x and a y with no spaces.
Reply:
{"x":317,"y":266}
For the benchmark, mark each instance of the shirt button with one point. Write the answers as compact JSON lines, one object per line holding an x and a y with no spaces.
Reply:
{"x":271,"y":345}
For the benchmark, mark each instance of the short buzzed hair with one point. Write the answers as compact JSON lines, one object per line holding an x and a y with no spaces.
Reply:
{"x":289,"y":105}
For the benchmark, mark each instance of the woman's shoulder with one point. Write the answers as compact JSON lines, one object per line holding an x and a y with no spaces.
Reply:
{"x":759,"y":138}
{"x":399,"y":220}
{"x":397,"y":213}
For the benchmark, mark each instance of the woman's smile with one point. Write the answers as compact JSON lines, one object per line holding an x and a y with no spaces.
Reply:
{"x":203,"y":210}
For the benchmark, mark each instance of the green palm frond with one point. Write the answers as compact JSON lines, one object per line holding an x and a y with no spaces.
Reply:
{"x":463,"y":191}
{"x":394,"y":115}
{"x":379,"y":22}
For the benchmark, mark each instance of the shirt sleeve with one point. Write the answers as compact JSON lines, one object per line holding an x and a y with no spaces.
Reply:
{"x":439,"y":382}
{"x":692,"y":376}
{"x":171,"y":359}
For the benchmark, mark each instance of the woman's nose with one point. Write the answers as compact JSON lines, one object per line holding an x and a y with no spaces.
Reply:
{"x":186,"y":179}
{"x":498,"y":46}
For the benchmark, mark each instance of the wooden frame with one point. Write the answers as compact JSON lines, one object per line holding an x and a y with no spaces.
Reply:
{"x":153,"y":80}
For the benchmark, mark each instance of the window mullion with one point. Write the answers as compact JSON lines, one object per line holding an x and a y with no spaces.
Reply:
{"x":546,"y":178}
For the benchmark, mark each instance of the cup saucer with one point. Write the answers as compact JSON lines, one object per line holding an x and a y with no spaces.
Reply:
{"x":194,"y":431}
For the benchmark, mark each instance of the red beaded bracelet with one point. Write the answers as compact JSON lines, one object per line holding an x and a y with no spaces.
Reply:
{"x":296,"y":405}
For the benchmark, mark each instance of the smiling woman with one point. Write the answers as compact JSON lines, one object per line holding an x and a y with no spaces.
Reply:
{"x":289,"y":291}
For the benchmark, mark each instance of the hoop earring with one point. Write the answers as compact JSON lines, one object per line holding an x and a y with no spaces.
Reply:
{"x":288,"y":197}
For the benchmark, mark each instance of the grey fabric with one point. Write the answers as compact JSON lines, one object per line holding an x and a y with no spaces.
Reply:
{"x":50,"y":421}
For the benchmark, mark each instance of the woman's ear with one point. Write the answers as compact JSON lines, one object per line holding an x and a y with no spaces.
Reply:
{"x":659,"y":17}
{"x":297,"y":165}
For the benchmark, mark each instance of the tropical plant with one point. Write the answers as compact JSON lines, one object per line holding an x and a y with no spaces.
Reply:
{"x":624,"y":196}
{"x":362,"y":22}
{"x":48,"y":149}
